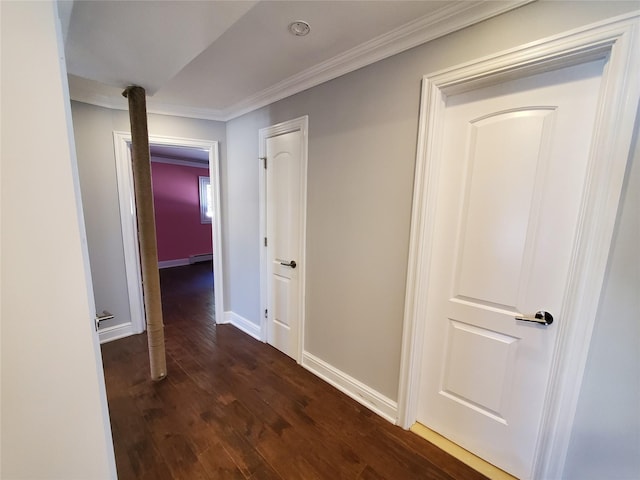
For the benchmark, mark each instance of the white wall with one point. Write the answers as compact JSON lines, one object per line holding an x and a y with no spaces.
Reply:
{"x":94,"y":127}
{"x":54,"y":418}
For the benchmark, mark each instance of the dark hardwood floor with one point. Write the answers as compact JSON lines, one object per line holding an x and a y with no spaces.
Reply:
{"x":233,"y":407}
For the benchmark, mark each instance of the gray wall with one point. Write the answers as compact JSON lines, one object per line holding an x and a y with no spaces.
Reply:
{"x":607,"y":422}
{"x":241,"y":216}
{"x":362,"y":138}
{"x":93,"y":128}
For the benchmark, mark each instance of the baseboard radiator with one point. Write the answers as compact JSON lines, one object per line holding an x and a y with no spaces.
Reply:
{"x":202,"y":257}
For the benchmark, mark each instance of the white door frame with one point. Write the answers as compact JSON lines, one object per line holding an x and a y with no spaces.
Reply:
{"x":617,"y":40}
{"x":124,"y":173}
{"x":298,"y":124}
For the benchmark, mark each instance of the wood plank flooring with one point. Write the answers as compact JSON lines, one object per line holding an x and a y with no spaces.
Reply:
{"x":234,"y":408}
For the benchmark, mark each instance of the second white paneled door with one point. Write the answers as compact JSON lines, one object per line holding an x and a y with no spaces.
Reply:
{"x":285,"y":206}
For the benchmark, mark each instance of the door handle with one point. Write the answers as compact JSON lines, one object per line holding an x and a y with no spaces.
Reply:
{"x":291,"y":264}
{"x":541,"y":317}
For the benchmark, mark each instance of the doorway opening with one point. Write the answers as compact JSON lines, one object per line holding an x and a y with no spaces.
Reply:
{"x":206,"y":149}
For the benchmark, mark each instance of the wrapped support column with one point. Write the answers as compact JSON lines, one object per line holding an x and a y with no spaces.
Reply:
{"x":141,"y":165}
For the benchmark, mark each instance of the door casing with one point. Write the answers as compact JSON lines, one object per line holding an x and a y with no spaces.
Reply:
{"x":616,"y":41}
{"x":124,"y":174}
{"x":298,"y":124}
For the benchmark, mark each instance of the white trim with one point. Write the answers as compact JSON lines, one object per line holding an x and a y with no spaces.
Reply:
{"x":218,"y":275}
{"x":115,"y":332}
{"x":178,"y":262}
{"x":297,"y":124}
{"x":124,"y":175}
{"x":361,"y":393}
{"x":615,"y":39}
{"x":114,"y":102}
{"x":241,"y":323}
{"x":448,"y":19}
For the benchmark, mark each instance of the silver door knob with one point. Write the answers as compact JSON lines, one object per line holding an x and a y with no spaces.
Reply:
{"x":541,"y":317}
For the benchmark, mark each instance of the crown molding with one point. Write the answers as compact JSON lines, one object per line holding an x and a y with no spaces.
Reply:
{"x":157,"y":108}
{"x":189,"y":112}
{"x":424,"y":29}
{"x":106,"y":101}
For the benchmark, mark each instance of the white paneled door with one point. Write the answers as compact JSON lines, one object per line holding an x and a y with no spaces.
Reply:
{"x":515,"y":158}
{"x":284,"y":233}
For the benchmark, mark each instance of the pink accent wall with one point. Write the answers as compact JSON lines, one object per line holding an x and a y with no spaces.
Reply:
{"x":176,"y":200}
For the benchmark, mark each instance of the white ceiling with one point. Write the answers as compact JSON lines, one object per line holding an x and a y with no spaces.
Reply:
{"x":219,"y":59}
{"x":171,"y":153}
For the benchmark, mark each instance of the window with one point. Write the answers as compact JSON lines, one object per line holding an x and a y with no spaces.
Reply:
{"x":206,"y":203}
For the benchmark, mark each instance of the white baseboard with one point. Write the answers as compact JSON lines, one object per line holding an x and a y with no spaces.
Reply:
{"x":201,"y":257}
{"x":115,"y":332}
{"x":367,"y":396}
{"x":373,"y":400}
{"x":178,"y":262}
{"x":243,"y":324}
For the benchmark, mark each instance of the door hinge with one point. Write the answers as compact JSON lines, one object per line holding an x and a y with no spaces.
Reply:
{"x":266,"y":313}
{"x":265,"y":161}
{"x":265,"y":241}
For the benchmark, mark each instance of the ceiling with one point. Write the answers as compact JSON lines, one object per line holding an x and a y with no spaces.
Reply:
{"x":220,"y":59}
{"x":171,"y":153}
